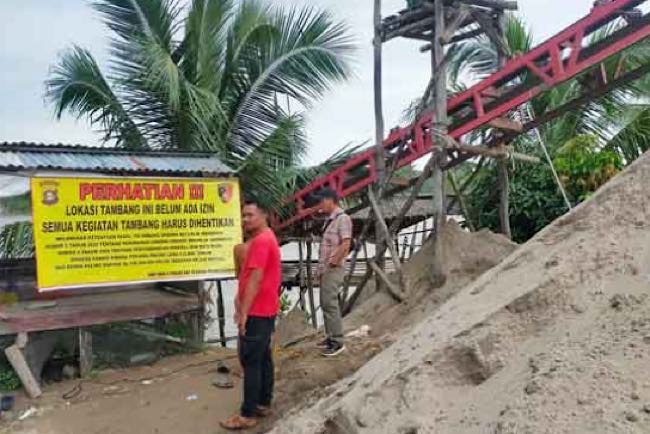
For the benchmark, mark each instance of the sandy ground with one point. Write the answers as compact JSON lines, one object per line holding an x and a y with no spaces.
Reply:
{"x":554,"y":339}
{"x":176,"y":395}
{"x":155,"y":399}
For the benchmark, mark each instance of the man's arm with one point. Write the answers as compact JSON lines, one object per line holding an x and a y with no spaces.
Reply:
{"x":340,"y":253}
{"x":250,"y":292}
{"x":345,"y":233}
{"x":238,"y":252}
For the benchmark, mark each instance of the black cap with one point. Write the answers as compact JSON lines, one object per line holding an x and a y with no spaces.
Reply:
{"x":328,"y":193}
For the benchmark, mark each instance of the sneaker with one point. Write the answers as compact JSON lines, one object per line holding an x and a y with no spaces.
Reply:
{"x":325,"y":343}
{"x":334,"y":349}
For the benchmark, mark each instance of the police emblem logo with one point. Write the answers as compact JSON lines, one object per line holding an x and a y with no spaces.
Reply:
{"x":50,"y":193}
{"x":225,"y":192}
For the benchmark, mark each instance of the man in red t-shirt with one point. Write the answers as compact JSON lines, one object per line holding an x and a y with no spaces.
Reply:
{"x":258,"y":303}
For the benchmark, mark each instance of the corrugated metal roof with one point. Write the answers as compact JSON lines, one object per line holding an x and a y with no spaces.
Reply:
{"x":36,"y":156}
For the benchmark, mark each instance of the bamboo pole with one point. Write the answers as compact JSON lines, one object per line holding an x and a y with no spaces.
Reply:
{"x":413,"y":240}
{"x":380,"y":158}
{"x":392,"y":289}
{"x":388,"y":241}
{"x":502,"y":164}
{"x":468,"y":181}
{"x":301,"y":276}
{"x":439,"y":69}
{"x":405,"y":245}
{"x":463,"y":206}
{"x":222,"y":314}
{"x":310,"y":285}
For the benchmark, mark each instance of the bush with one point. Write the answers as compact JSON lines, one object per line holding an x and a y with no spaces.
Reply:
{"x":9,"y":380}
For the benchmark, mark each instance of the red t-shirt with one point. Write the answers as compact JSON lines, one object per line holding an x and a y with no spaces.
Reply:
{"x":264,"y":254}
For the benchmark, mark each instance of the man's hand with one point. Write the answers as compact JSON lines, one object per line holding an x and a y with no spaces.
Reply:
{"x":241,"y":323}
{"x":235,"y":317}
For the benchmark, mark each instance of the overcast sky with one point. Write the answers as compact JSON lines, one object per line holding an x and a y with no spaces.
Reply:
{"x":34,"y":32}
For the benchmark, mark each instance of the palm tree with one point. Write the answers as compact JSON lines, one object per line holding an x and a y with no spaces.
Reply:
{"x":618,"y":120}
{"x":207,"y":78}
{"x":618,"y":123}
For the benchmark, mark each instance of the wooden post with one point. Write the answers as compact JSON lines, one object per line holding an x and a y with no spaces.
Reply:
{"x":221,"y":313}
{"x":381,"y":223}
{"x":502,"y":164}
{"x":439,"y":70}
{"x":463,"y":206}
{"x":413,"y":240}
{"x":392,"y":289}
{"x":504,"y":197}
{"x":310,"y":285}
{"x":85,"y":352}
{"x":16,"y":359}
{"x":380,"y":160}
{"x":468,"y":181}
{"x":301,"y":276}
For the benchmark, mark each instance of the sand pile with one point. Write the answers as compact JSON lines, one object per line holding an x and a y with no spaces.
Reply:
{"x":554,"y":339}
{"x":465,"y":257}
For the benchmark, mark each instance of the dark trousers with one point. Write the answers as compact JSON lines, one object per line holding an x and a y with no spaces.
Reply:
{"x":256,"y":358}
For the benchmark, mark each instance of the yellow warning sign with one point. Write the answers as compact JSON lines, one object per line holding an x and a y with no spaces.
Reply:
{"x":102,"y":231}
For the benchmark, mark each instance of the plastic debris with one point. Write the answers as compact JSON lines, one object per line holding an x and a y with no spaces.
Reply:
{"x":361,"y":332}
{"x":27,"y":413}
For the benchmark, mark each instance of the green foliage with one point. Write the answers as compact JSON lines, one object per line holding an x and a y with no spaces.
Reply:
{"x":588,"y":145}
{"x":16,"y":205}
{"x":207,"y":77}
{"x":285,"y":303}
{"x":534,"y":200}
{"x":16,"y":241}
{"x":177,"y":329}
{"x":9,"y":380}
{"x":583,"y":168}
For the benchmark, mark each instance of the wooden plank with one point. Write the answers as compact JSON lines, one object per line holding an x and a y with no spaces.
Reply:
{"x":496,"y":152}
{"x":17,"y":360}
{"x":495,"y":35}
{"x":461,"y":15}
{"x":507,"y":124}
{"x":493,"y":4}
{"x":86,"y":310}
{"x":85,"y":352}
{"x":392,"y":289}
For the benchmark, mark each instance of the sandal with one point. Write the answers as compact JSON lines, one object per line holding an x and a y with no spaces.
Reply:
{"x":262,"y":411}
{"x":237,"y":422}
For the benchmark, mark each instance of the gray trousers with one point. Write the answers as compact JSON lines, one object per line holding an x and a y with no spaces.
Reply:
{"x":330,"y":284}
